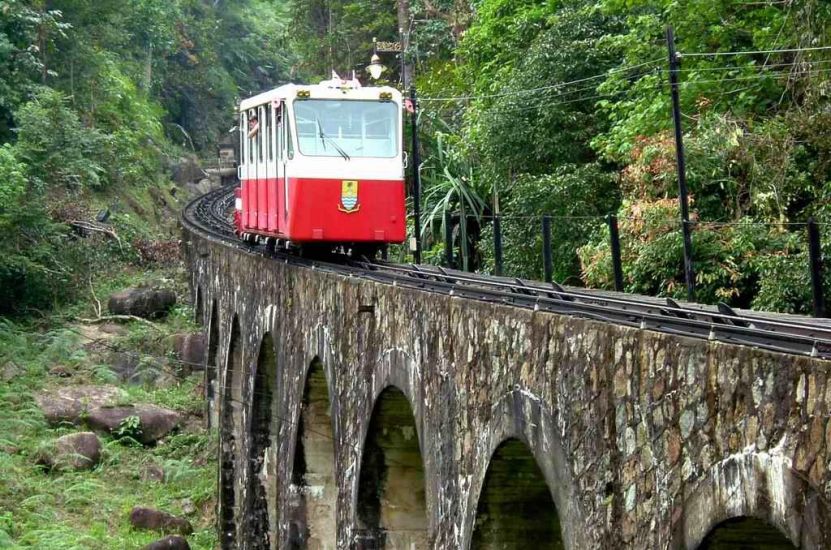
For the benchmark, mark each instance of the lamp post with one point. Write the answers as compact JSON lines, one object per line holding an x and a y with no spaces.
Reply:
{"x":376,"y":69}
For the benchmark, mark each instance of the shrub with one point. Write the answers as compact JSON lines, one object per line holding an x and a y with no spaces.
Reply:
{"x":58,"y":149}
{"x":28,"y":266}
{"x":577,"y":196}
{"x":743,"y":264}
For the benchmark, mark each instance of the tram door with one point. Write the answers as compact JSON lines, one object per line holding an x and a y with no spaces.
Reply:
{"x":285,"y":155}
{"x":271,"y":169}
{"x":279,"y":168}
{"x":262,"y":205}
{"x":242,"y":167}
{"x":249,"y":175}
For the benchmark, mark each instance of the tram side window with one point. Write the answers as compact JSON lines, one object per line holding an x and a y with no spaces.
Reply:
{"x":249,"y":127}
{"x":278,"y":131}
{"x":269,"y":125}
{"x":242,"y":127}
{"x":260,"y":132}
{"x":289,"y":144}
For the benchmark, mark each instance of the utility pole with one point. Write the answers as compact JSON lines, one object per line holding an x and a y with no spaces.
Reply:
{"x":404,"y":37}
{"x":815,"y":257}
{"x":416,"y":177}
{"x":674,"y":65}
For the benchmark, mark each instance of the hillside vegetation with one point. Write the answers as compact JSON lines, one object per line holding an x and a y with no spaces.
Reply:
{"x":526,"y":108}
{"x":89,"y":508}
{"x":562,"y":107}
{"x":100,"y":102}
{"x":97,"y":99}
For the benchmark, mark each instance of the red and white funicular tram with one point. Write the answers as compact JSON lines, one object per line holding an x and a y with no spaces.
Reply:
{"x":321,"y":167}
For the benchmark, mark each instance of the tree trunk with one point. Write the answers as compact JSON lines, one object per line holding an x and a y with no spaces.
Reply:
{"x":42,"y":42}
{"x":148,"y":68}
{"x":404,"y":36}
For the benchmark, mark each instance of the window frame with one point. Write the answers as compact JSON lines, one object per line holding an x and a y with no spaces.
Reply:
{"x":243,"y":124}
{"x":396,"y":131}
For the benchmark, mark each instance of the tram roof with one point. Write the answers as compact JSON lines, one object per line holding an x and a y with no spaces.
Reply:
{"x":325,"y":90}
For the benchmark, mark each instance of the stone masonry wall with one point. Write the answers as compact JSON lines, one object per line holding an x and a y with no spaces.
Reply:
{"x":646,"y":440}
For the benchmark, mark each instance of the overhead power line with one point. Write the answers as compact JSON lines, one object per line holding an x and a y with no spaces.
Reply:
{"x":754,"y":52}
{"x":765,"y":70}
{"x":525,"y":104}
{"x":754,"y":67}
{"x":541,"y":88}
{"x":765,"y":74}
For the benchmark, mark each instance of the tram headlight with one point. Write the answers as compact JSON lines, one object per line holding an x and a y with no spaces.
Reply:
{"x":303,"y":94}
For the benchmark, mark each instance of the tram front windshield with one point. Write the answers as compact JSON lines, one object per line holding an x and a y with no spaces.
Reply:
{"x":347,"y":128}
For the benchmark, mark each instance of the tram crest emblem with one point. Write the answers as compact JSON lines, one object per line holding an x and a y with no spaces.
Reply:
{"x":349,"y":197}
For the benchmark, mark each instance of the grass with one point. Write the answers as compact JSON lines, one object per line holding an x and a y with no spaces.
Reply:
{"x":90,"y":510}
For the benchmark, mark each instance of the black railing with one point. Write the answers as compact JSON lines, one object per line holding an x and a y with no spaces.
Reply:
{"x":550,"y":225}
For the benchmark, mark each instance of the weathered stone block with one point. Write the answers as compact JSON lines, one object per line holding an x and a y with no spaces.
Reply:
{"x":645,"y":440}
{"x":142,"y":302}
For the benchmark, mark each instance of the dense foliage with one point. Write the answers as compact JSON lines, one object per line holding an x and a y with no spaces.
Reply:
{"x":562,"y":107}
{"x":528,"y":107}
{"x":96,"y":97}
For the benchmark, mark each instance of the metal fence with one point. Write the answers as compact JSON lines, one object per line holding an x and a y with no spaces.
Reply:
{"x":541,"y":231}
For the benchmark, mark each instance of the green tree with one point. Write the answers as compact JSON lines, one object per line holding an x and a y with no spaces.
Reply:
{"x":30,"y":273}
{"x":577,"y":196}
{"x":337,"y":34}
{"x":58,"y":149}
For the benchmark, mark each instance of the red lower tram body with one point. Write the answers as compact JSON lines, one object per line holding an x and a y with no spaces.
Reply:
{"x":316,"y":210}
{"x":322,"y":166}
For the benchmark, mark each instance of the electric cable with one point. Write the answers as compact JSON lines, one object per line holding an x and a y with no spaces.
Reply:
{"x":763,"y":70}
{"x":540,"y":88}
{"x":754,"y":52}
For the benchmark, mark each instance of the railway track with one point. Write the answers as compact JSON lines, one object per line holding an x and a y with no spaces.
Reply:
{"x":209,"y":215}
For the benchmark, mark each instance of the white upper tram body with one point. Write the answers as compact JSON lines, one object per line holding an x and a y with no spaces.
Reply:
{"x":313,"y":143}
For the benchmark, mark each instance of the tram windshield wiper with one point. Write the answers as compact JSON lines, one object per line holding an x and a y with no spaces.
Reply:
{"x":324,"y":138}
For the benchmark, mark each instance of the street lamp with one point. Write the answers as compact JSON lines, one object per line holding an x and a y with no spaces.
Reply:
{"x":375,"y":67}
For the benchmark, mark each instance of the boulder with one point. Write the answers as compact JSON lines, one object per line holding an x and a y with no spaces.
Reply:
{"x":135,"y":369}
{"x":69,"y":404}
{"x":156,"y":520}
{"x":187,"y":170}
{"x":78,"y":451}
{"x":113,"y":329}
{"x":98,"y":407}
{"x":188,"y":508}
{"x":142,"y":302}
{"x":190,"y":350}
{"x":10,"y":371}
{"x":155,"y":422}
{"x":61,"y":371}
{"x":173,"y":542}
{"x":152,"y":472}
{"x":202,"y":186}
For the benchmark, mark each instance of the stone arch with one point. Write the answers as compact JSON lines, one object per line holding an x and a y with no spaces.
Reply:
{"x":391,"y":508}
{"x":212,"y":366}
{"x":230,"y":417}
{"x":199,"y":307}
{"x":261,"y":492}
{"x":515,"y":508}
{"x":521,"y":415}
{"x":745,"y":533}
{"x":755,"y":485}
{"x":313,"y":490}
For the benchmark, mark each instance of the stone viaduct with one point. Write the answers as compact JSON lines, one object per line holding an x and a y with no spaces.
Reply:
{"x":355,"y":414}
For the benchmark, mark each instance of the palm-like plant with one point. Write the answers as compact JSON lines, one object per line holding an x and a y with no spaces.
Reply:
{"x":452,"y":185}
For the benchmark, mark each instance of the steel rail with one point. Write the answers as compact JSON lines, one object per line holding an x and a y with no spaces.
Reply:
{"x":208,"y":215}
{"x":518,"y":285}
